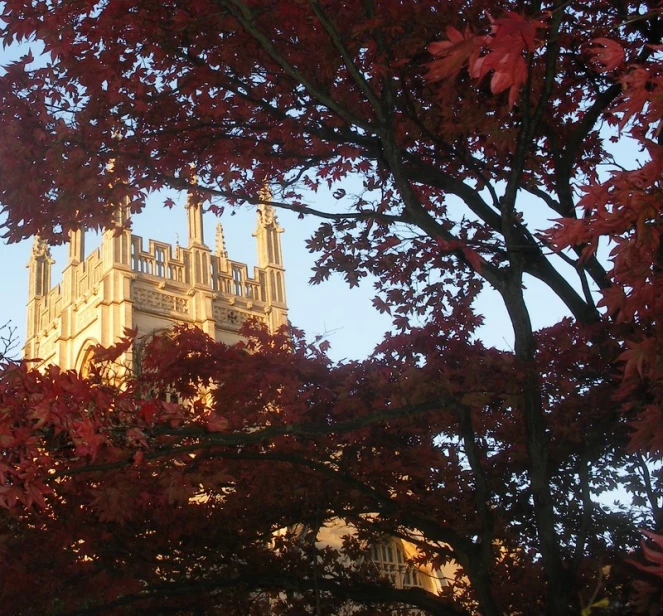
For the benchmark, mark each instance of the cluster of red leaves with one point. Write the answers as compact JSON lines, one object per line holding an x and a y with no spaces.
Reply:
{"x":626,"y":211}
{"x":649,"y":594}
{"x":503,"y":53}
{"x":146,"y":501}
{"x":59,"y":406}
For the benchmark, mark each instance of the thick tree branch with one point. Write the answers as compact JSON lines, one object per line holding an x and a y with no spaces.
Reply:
{"x":524,"y":344}
{"x":416,"y":170}
{"x":482,"y":500}
{"x":363,"y":592}
{"x":587,"y":510}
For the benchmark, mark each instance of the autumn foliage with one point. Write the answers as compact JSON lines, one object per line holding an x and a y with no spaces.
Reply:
{"x":441,"y":139}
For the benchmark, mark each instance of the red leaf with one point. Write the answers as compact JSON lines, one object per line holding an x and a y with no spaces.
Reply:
{"x":453,"y":54}
{"x":606,"y":53}
{"x":112,"y":353}
{"x":381,"y":306}
{"x":148,"y":410}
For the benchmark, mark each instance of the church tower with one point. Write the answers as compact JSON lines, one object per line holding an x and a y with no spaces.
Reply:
{"x":125,"y":284}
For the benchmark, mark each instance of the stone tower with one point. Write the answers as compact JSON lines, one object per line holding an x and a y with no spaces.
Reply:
{"x":123,"y":285}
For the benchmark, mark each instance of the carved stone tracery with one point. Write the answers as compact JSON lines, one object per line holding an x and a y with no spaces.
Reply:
{"x":150,"y":299}
{"x":232,"y":318}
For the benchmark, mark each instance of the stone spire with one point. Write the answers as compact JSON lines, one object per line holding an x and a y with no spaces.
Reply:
{"x":76,"y":246}
{"x":40,"y":268}
{"x":267,"y":232}
{"x":194,"y":211}
{"x":220,"y":243}
{"x":268,"y":242}
{"x":200,"y":254}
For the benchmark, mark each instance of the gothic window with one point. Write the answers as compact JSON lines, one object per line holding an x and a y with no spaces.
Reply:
{"x":237,"y":281}
{"x":279,"y":287}
{"x":87,"y":367}
{"x":390,"y":560}
{"x":39,"y":281}
{"x":160,"y":258}
{"x":214,"y":273}
{"x":263,"y":284}
{"x":270,"y":247}
{"x":85,"y":361}
{"x":175,"y":272}
{"x":277,"y":255}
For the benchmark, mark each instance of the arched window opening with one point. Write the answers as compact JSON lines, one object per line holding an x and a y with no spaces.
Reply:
{"x":391,"y":562}
{"x":237,"y":280}
{"x":160,"y":258}
{"x":163,"y":393}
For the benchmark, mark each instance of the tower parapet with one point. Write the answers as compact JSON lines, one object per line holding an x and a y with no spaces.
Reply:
{"x":76,"y":246}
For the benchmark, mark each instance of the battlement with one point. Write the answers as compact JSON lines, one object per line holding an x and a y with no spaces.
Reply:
{"x":175,"y":264}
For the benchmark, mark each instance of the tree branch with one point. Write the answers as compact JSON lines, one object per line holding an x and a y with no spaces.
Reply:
{"x":363,"y":592}
{"x":649,"y":491}
{"x":587,"y":509}
{"x":181,"y":184}
{"x":353,"y":71}
{"x":244,"y":16}
{"x":482,"y":499}
{"x":208,"y":439}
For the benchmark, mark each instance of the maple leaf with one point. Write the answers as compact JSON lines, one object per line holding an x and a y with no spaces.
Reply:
{"x":639,"y":357}
{"x":217,"y":423}
{"x":110,"y":505}
{"x":112,"y":353}
{"x":148,"y":410}
{"x":381,"y":306}
{"x":514,"y":27}
{"x":647,"y":435}
{"x":453,"y":54}
{"x":653,"y":555}
{"x":511,"y":37}
{"x":607,"y":54}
